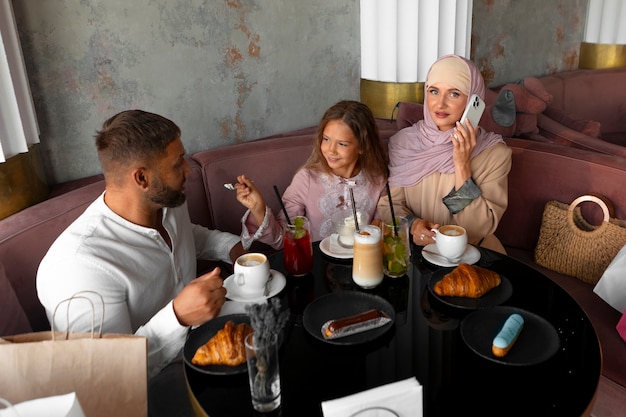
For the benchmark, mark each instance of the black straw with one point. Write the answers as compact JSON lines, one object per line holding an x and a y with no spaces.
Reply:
{"x":356,"y":222}
{"x":280,"y":200}
{"x":393,"y":215}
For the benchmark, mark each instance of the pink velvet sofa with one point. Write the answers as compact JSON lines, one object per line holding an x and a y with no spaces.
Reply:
{"x":587,"y":110}
{"x":540,"y":172}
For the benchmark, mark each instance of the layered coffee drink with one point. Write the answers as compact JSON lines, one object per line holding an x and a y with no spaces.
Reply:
{"x":367,"y":262}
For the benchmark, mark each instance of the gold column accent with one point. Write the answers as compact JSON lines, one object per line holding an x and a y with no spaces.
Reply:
{"x":22,"y":182}
{"x":381,"y":97}
{"x":601,"y":55}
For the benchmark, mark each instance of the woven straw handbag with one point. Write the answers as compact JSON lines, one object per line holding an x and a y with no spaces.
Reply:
{"x":570,"y":245}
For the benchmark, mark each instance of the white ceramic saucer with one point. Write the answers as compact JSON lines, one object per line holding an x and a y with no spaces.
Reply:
{"x":470,"y":256}
{"x":331,"y":247}
{"x":233,"y":291}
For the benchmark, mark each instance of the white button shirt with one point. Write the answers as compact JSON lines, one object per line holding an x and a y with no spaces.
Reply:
{"x":134,"y":271}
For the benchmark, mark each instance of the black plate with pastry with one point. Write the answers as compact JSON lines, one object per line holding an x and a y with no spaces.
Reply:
{"x":201,"y":335}
{"x":537,"y":342}
{"x":342,"y":304}
{"x":492,"y":298}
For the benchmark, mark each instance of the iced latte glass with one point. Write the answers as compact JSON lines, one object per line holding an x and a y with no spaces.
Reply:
{"x":367,"y":262}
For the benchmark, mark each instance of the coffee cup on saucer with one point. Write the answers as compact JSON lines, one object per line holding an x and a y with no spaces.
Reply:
{"x":252,"y":270}
{"x":451,"y":241}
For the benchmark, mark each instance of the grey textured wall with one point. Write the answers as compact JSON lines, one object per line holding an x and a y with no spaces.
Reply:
{"x":226,"y":71}
{"x":512,"y":39}
{"x":229,"y":71}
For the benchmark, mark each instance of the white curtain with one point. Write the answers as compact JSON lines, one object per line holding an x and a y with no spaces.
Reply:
{"x":606,"y":22}
{"x":400,"y":39}
{"x":18,"y":122}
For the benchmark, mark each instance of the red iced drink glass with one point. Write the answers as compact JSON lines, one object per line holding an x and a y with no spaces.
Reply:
{"x":297,"y":247}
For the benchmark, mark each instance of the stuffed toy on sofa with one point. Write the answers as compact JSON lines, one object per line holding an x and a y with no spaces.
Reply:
{"x":512,"y":109}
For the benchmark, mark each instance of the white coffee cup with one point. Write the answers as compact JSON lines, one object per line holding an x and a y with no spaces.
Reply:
{"x":451,"y":241}
{"x":252,"y":271}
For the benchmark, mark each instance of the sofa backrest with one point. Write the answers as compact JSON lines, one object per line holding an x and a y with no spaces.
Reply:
{"x":25,"y":238}
{"x":541,"y":172}
{"x":591,"y":94}
{"x":267,"y":162}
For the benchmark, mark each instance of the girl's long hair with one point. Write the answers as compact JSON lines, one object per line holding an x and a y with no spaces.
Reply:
{"x":373,"y":159}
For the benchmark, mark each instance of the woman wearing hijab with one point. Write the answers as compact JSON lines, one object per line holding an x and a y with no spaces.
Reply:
{"x":442,"y":172}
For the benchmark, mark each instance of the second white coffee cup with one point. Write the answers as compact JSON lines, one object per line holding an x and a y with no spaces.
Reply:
{"x":252,"y":270}
{"x":451,"y":241}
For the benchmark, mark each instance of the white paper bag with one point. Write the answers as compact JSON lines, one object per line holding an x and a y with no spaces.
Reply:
{"x":56,"y":406}
{"x":612,"y":284}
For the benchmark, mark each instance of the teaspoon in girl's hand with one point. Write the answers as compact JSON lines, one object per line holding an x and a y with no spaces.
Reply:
{"x":230,"y":186}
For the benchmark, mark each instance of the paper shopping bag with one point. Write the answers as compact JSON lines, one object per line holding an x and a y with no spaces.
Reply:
{"x":107,"y":371}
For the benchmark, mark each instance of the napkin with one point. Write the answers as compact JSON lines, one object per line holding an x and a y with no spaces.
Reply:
{"x":56,"y":406}
{"x":336,"y":248}
{"x":404,"y":398}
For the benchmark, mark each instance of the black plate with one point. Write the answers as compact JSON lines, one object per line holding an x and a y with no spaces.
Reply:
{"x":537,"y":342}
{"x":202,"y":334}
{"x":493,"y":298}
{"x":342,"y":304}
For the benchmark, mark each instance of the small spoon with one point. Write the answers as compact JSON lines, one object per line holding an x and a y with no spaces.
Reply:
{"x":230,"y":186}
{"x":440,"y":256}
{"x":266,"y":292}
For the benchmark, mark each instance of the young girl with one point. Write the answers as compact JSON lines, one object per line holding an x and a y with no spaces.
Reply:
{"x":347,"y":153}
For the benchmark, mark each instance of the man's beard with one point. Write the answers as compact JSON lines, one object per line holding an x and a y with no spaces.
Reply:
{"x":166,"y":196}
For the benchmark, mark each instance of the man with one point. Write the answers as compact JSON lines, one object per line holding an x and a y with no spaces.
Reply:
{"x":136,"y":246}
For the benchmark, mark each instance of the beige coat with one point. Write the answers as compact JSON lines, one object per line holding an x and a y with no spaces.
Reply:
{"x":480,"y":218}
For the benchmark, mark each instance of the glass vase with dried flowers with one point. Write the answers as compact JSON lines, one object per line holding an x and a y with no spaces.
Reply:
{"x":267,"y":321}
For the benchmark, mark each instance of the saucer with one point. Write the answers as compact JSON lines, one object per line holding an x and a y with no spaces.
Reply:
{"x":470,"y":256}
{"x":233,"y":292}
{"x":330,"y":246}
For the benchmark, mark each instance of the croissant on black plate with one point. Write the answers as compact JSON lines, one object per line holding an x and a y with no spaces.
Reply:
{"x":467,"y":281}
{"x":225,"y":348}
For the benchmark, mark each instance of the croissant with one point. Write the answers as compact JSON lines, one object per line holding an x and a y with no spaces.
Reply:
{"x":467,"y":281}
{"x":226,"y":347}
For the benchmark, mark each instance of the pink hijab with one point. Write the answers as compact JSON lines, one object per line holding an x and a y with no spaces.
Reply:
{"x":419,"y":150}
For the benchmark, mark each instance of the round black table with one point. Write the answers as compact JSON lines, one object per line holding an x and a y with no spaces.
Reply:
{"x":424,"y":342}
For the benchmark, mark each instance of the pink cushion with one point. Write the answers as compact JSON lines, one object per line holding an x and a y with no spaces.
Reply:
{"x":13,"y":320}
{"x":409,"y":114}
{"x":621,"y":326}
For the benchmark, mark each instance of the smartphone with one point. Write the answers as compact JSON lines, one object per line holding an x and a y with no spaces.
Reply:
{"x":473,"y":111}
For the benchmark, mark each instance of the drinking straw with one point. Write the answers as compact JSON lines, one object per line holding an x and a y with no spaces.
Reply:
{"x":356,"y":222}
{"x":280,"y":200}
{"x":393,"y":215}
